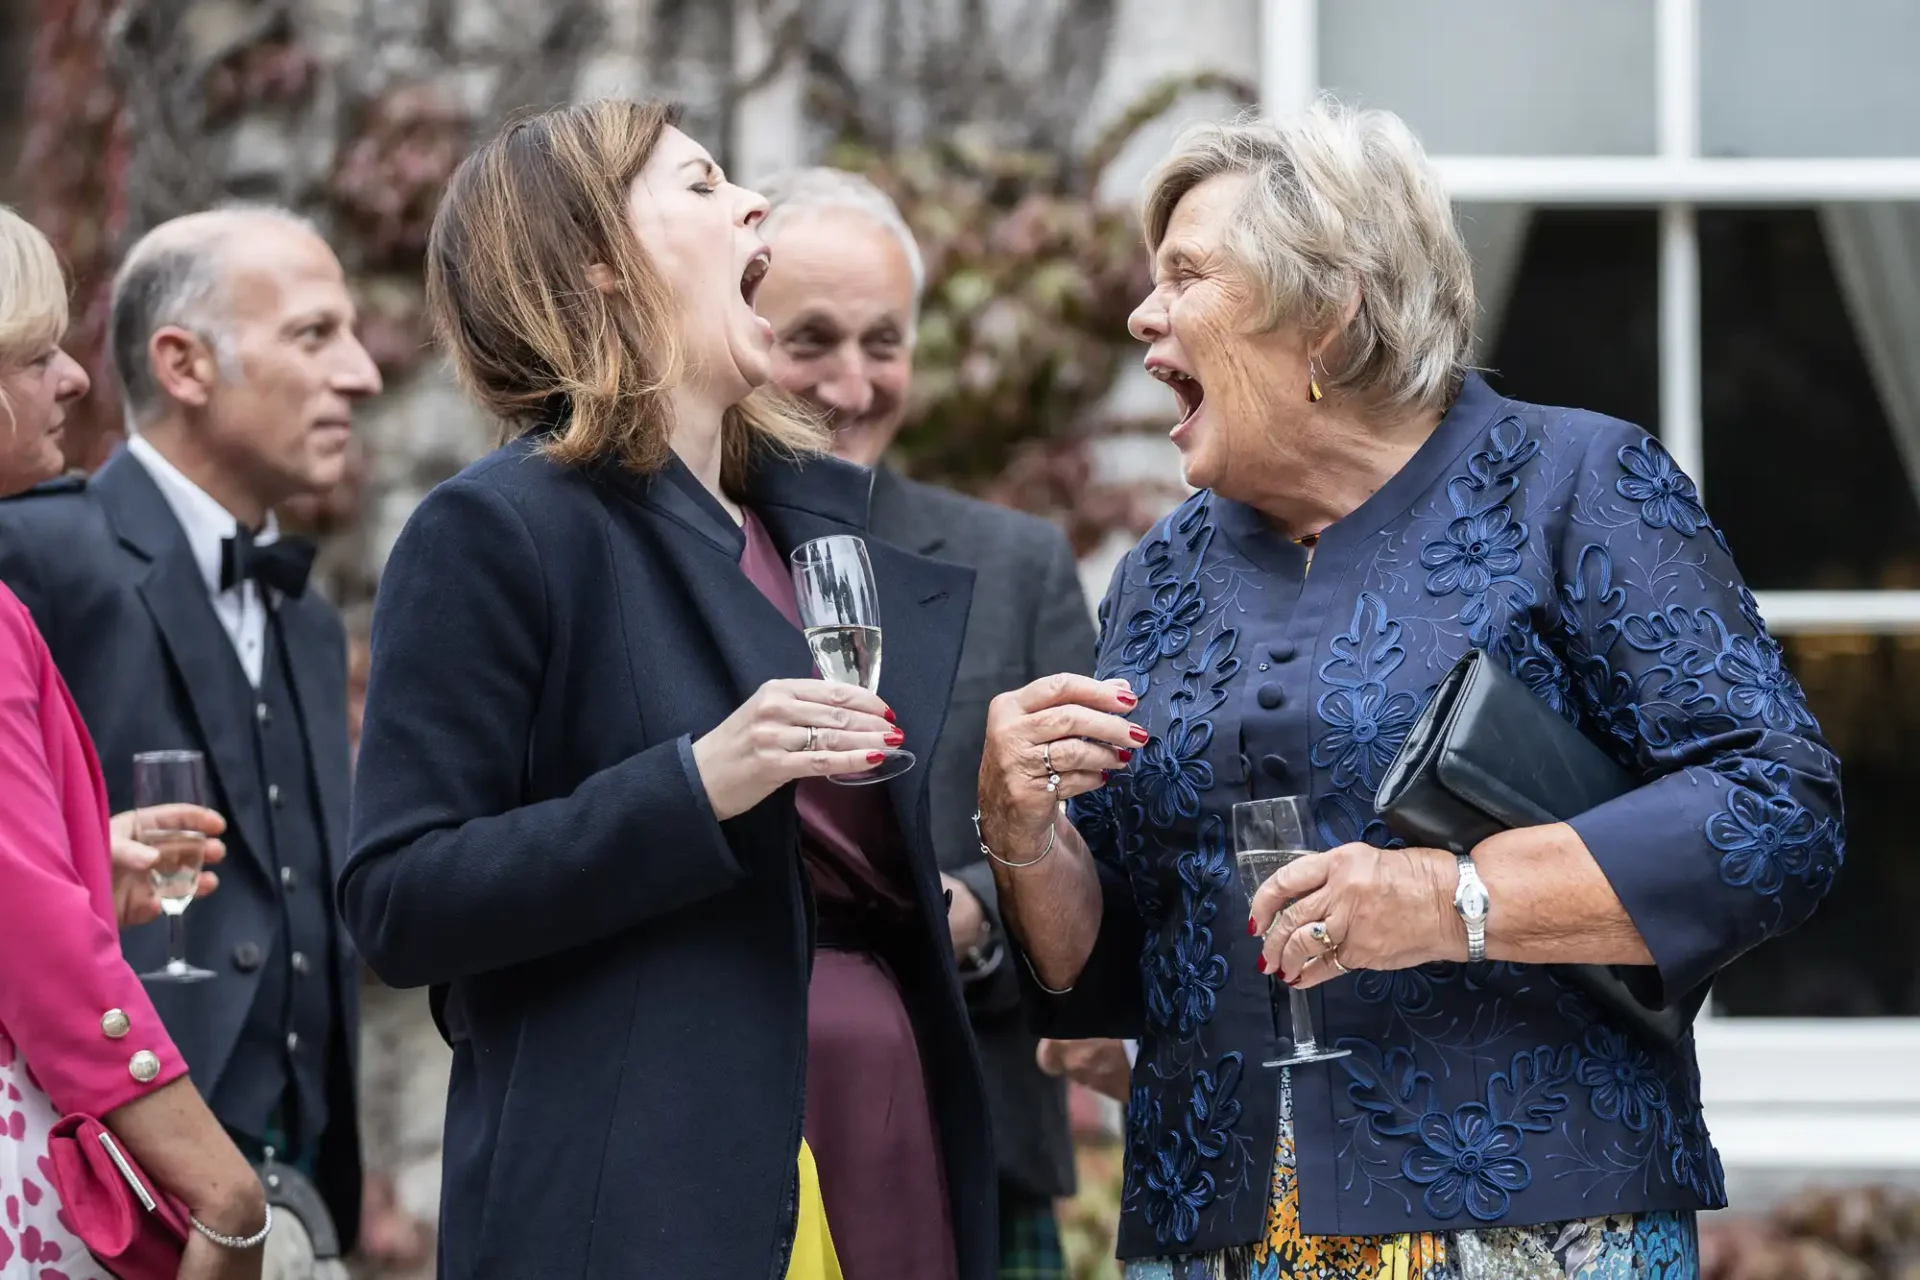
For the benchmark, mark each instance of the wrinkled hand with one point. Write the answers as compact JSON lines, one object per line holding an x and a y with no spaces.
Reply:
{"x":966,"y":918}
{"x":757,"y":750}
{"x":1384,"y":909}
{"x":1077,"y":721}
{"x":1100,"y":1065}
{"x":134,"y":901}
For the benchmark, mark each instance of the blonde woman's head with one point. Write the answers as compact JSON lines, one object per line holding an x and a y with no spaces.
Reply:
{"x":37,"y":379}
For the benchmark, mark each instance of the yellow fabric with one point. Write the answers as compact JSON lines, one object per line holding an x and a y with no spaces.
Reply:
{"x":813,"y":1257}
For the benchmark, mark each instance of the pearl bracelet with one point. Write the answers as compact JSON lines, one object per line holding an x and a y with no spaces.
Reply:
{"x":253,"y":1241}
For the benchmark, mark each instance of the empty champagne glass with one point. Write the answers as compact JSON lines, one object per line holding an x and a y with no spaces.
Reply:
{"x":840,"y":616}
{"x":165,"y":778}
{"x":1267,"y":835}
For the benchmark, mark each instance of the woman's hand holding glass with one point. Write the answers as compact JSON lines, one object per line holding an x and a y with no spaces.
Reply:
{"x":1068,"y":727}
{"x":1381,"y":909}
{"x":791,"y":729}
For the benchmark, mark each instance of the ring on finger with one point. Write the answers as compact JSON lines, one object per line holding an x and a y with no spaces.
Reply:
{"x":1333,"y":959}
{"x":813,"y":737}
{"x":1318,"y":932}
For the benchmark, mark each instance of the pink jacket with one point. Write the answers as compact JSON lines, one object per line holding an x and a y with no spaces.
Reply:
{"x":79,"y":1016}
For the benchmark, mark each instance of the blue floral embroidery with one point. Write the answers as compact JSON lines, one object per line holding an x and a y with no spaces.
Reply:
{"x":1171,"y":771}
{"x":1760,"y":686}
{"x":1476,"y":550}
{"x":1666,"y":496}
{"x":1409,"y":990}
{"x":1178,"y":1189}
{"x":1343,"y":820}
{"x":1366,"y":721}
{"x":1468,"y":1160}
{"x":1165,"y":627}
{"x":1765,"y":838}
{"x":1624,"y":1084}
{"x":1187,"y":977}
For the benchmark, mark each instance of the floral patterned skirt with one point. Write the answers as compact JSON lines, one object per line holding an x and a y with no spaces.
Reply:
{"x":35,"y":1243}
{"x":1647,"y":1246}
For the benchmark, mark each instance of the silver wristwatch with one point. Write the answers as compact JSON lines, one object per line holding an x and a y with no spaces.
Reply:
{"x":1470,"y":900}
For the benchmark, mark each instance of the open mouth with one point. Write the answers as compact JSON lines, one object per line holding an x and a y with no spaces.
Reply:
{"x":755,"y":273}
{"x":1184,"y":385}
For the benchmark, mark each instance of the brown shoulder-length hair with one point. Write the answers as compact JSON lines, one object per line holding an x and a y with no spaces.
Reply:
{"x":523,"y":219}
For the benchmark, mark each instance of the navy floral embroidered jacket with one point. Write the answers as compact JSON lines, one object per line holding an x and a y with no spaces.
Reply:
{"x":1571,"y":547}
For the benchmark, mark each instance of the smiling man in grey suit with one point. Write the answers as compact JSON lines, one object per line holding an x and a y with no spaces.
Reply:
{"x":843,"y":294}
{"x":181,"y":619}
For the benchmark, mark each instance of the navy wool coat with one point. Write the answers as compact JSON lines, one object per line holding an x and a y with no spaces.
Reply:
{"x":622,"y":977}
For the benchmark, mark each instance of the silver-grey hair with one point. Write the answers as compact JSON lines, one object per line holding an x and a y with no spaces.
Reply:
{"x":1342,"y":204}
{"x":798,"y":190}
{"x":175,"y":275}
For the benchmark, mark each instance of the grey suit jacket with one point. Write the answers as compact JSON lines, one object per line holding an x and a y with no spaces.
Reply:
{"x":1029,"y":619}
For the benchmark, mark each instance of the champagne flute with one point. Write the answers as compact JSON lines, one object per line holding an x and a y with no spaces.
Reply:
{"x":840,"y":617}
{"x":1267,"y":835}
{"x":163,"y":778}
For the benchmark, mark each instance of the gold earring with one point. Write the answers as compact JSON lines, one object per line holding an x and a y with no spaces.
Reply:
{"x":1313,"y":383}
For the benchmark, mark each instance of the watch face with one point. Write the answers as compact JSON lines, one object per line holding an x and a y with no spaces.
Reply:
{"x":1470,"y":900}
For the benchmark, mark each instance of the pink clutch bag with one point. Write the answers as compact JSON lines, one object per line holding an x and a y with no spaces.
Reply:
{"x":137,"y":1231}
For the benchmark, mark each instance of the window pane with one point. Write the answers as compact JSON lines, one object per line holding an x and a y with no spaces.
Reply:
{"x":1785,"y":78}
{"x":1857,"y":957}
{"x":1801,"y":469}
{"x":1500,"y":77}
{"x":1581,"y":323}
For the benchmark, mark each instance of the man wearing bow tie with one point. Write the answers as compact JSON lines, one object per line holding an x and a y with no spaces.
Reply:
{"x":181,"y":619}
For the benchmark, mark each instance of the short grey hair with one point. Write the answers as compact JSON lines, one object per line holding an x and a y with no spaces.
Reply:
{"x":175,"y":275}
{"x":1341,"y":203}
{"x":798,"y":190}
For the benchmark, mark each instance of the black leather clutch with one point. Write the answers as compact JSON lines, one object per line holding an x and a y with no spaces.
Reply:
{"x":1486,"y":756}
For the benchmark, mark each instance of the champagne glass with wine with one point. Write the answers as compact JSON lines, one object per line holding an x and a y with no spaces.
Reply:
{"x":840,"y":617}
{"x":165,"y":778}
{"x":1267,"y":835}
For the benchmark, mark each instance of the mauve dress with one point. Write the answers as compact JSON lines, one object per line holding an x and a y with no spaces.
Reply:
{"x":869,"y":1120}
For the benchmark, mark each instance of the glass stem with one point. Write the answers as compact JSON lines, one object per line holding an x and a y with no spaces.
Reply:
{"x":1303,"y":1040}
{"x":177,"y":940}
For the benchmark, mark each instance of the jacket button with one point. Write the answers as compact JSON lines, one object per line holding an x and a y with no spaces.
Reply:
{"x":114,"y":1023}
{"x":1271,"y":696}
{"x":144,"y":1066}
{"x":273,"y":794}
{"x":293,"y":1042}
{"x":264,"y":714}
{"x":1274,"y":767}
{"x":301,"y":965}
{"x":1282,"y":650}
{"x":247,"y":957}
{"x":288,"y":880}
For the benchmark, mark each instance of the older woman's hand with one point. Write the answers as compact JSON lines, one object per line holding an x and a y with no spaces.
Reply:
{"x":1381,"y":909}
{"x":1068,"y":725}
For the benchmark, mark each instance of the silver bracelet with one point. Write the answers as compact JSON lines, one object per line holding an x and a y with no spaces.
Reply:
{"x":253,"y":1241}
{"x":1053,"y":830}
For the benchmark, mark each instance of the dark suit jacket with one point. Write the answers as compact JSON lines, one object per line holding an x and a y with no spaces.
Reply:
{"x":1029,"y":619}
{"x":106,"y":569}
{"x":624,"y":979}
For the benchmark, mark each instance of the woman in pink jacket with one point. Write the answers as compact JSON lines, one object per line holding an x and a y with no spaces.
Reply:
{"x":77,"y":1032}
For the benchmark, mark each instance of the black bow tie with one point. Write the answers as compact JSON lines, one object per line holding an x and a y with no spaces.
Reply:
{"x":282,"y":564}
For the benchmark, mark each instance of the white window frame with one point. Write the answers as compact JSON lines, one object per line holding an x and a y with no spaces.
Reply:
{"x":1787,"y":1099}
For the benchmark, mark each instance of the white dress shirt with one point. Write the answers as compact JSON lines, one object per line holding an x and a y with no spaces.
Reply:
{"x":242,"y":610}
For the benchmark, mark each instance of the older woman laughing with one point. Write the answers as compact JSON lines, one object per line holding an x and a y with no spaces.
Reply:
{"x":1312,"y":308}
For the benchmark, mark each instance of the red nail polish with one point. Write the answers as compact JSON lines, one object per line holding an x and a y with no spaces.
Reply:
{"x":1138,"y":734}
{"x":895,"y":738}
{"x":888,"y":713}
{"x":875,"y":757}
{"x":1261,"y":964}
{"x":1125,"y":755}
{"x":1106,"y":775}
{"x":1253,"y":927}
{"x":1127,"y":700}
